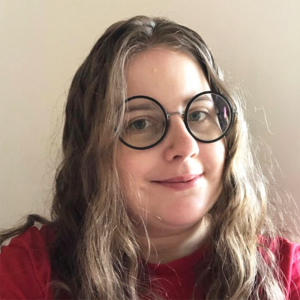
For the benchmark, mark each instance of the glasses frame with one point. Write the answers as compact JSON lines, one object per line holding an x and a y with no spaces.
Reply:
{"x":184,"y":115}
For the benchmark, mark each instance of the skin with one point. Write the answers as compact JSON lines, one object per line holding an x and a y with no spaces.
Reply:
{"x":174,"y":218}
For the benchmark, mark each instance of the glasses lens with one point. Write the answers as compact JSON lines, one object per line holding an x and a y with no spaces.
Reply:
{"x":209,"y":117}
{"x":144,"y":123}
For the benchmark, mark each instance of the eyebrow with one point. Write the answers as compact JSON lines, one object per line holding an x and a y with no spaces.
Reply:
{"x":152,"y":106}
{"x":136,"y":107}
{"x":202,"y":98}
{"x":207,"y":99}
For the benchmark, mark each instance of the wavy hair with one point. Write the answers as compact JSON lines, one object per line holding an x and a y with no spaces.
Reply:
{"x":96,"y":254}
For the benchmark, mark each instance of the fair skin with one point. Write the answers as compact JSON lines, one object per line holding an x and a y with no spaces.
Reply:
{"x":172,"y":186}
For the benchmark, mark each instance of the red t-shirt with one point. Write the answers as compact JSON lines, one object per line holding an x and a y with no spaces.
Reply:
{"x":25,"y":271}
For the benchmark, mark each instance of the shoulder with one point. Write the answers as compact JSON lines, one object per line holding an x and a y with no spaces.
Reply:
{"x":25,"y":266}
{"x":36,"y":235}
{"x":288,"y":255}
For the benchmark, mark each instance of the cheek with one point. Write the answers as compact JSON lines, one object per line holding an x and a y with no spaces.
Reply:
{"x":135,"y":194}
{"x":133,"y":167}
{"x":128,"y":185}
{"x":132,"y":170}
{"x":136,"y":164}
{"x":213,"y":158}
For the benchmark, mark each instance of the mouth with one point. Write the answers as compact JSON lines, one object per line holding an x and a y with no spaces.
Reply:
{"x":181,"y":182}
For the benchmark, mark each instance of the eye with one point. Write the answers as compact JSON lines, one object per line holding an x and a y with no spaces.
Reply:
{"x":139,"y":124}
{"x":197,"y":116}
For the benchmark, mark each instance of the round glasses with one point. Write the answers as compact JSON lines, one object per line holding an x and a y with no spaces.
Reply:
{"x":208,"y":117}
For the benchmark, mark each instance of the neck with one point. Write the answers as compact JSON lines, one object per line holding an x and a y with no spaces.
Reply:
{"x":167,"y":246}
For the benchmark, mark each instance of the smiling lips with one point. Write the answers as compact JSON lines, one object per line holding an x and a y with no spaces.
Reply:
{"x":181,"y":183}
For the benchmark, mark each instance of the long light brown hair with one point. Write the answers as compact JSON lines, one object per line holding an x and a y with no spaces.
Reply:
{"x":96,"y":254}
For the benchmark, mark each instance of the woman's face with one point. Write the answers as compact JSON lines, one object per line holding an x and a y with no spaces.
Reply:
{"x":174,"y":184}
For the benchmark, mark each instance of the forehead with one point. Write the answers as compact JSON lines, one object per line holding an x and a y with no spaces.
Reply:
{"x":168,"y":76}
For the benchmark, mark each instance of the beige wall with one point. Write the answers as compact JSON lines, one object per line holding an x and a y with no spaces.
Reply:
{"x":257,"y":43}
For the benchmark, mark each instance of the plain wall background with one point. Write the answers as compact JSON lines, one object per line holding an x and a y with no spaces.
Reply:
{"x":256,"y":43}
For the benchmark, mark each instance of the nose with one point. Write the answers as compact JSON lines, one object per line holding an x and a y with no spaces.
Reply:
{"x":179,"y":144}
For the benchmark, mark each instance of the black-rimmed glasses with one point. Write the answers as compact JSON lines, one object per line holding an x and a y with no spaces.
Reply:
{"x":208,"y":117}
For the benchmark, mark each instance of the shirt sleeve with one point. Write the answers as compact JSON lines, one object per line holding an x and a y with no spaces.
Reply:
{"x":295,"y":277}
{"x":290,"y":267}
{"x":24,"y":268}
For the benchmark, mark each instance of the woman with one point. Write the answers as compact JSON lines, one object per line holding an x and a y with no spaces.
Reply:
{"x":157,"y":196}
